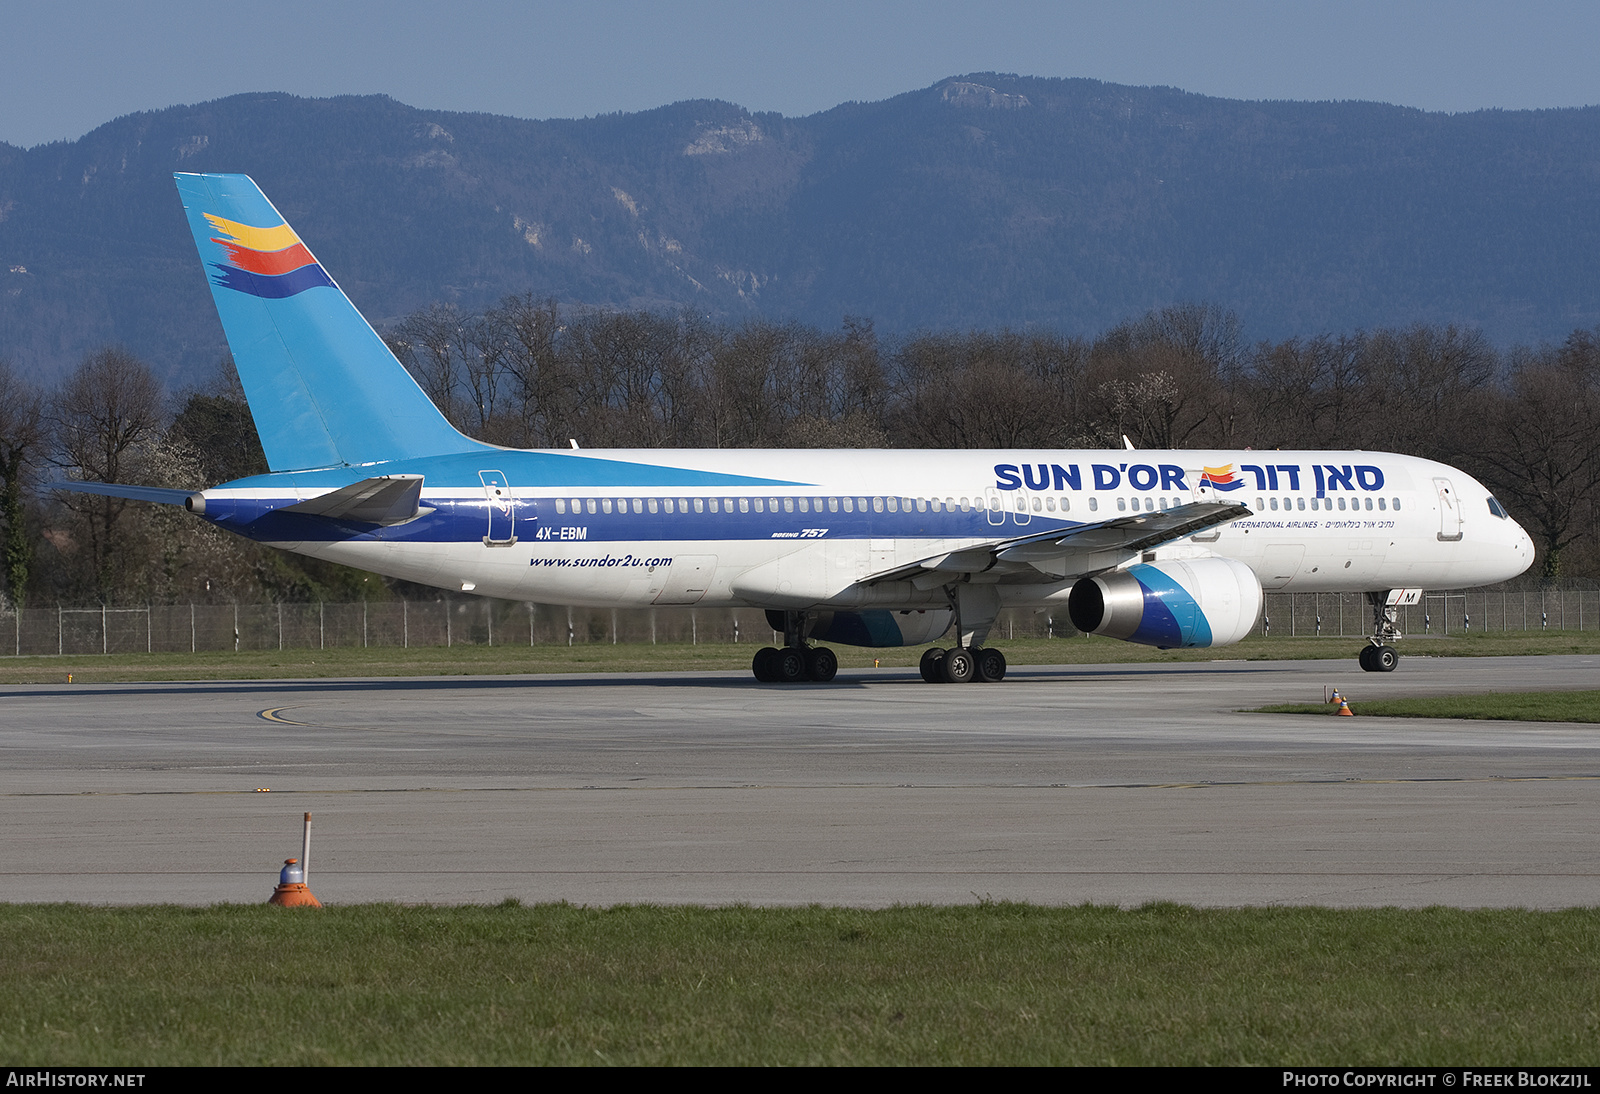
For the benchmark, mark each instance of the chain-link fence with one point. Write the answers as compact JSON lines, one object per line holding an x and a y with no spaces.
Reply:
{"x":176,"y":628}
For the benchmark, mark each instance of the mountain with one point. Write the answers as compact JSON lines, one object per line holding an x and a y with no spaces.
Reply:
{"x":983,"y":201}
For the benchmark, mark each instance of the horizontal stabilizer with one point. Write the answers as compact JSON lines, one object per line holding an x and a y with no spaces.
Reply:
{"x":134,"y":493}
{"x":386,"y":500}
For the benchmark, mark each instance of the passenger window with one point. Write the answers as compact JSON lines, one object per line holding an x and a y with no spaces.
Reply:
{"x":1369,"y":505}
{"x":711,"y":503}
{"x":1274,"y":504}
{"x":833,"y":505}
{"x":1300,"y":503}
{"x":805,"y":506}
{"x":699,"y":505}
{"x":1149,"y":505}
{"x":1261,"y":503}
{"x":591,"y":505}
{"x":1066,"y":503}
{"x":759,"y":506}
{"x":877,"y":505}
{"x":1050,"y":505}
{"x":1394,"y":503}
{"x":849,"y":505}
{"x":922,"y":505}
{"x":744,"y":505}
{"x":965,"y":506}
{"x":893,"y":504}
{"x":1382,"y":504}
{"x":638,"y":505}
{"x":1094,"y":504}
{"x":1341,"y":505}
{"x":605,"y":505}
{"x":561,"y":505}
{"x":654,"y":505}
{"x":683,"y":505}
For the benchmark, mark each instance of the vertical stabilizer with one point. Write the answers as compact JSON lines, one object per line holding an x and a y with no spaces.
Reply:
{"x":323,"y":388}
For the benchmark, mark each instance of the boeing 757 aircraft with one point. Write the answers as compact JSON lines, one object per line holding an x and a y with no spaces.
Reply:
{"x":869,"y":548}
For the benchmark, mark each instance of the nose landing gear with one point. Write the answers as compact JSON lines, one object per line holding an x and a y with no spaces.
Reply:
{"x":1381,"y":656}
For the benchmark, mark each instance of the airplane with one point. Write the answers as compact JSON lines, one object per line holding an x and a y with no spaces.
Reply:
{"x":1169,"y":548}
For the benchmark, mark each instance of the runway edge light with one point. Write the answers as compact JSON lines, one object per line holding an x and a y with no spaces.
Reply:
{"x":293,"y":890}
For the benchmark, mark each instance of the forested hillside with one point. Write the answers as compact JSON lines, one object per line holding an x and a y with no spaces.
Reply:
{"x":984,"y":202}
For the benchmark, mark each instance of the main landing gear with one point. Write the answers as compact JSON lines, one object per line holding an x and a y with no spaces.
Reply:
{"x":1380,"y":655}
{"x":792,"y":664}
{"x":975,"y":608}
{"x":962,"y":665}
{"x":797,"y":660}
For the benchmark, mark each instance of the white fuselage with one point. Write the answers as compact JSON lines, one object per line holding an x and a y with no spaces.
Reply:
{"x":830,"y":528}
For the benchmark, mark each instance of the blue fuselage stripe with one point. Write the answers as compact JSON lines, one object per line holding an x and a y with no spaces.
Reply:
{"x":463,"y":520}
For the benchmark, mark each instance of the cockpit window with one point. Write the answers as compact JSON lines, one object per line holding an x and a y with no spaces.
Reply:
{"x":1497,"y":509}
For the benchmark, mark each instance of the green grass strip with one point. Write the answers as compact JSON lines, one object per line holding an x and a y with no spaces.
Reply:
{"x":1518,"y":706}
{"x":990,"y":983}
{"x":855,"y":663}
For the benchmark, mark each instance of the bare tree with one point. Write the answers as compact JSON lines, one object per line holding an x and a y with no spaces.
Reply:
{"x":1546,"y":445}
{"x":105,"y":417}
{"x":21,"y":434}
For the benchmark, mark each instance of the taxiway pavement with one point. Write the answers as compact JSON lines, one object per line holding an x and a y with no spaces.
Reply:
{"x":1105,"y":783}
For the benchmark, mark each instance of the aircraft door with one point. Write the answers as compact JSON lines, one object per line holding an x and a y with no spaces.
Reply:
{"x":687,"y":579}
{"x":994,"y":505}
{"x":502,"y":527}
{"x":1449,"y":511}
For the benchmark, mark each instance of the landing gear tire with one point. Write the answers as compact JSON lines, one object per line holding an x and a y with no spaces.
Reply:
{"x":789,"y":665}
{"x":1378,"y":658}
{"x":762,"y":665}
{"x":933,"y":665}
{"x":822,"y":664}
{"x":990,"y":666}
{"x":959,"y":666}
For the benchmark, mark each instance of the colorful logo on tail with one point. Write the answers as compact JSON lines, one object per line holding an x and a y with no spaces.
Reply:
{"x":1221,"y":478}
{"x":266,"y":262}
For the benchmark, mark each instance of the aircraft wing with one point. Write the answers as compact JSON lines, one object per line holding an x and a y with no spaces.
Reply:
{"x":1071,"y":552}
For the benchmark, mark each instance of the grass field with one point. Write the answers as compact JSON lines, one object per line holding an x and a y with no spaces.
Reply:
{"x":1522,"y":706}
{"x":982,"y":984}
{"x":599,"y":657}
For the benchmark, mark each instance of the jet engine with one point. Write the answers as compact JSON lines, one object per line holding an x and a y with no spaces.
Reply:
{"x":1170,"y":604}
{"x":877,"y":628}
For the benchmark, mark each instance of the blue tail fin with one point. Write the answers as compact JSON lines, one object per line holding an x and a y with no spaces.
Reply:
{"x":322,"y":386}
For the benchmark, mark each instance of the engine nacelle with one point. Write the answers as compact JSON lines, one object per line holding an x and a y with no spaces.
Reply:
{"x":1171,"y":604}
{"x":878,"y":628}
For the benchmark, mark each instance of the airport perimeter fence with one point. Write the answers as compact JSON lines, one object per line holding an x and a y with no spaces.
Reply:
{"x":182,"y":628}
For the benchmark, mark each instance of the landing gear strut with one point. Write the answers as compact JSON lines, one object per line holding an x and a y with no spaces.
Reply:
{"x":797,"y":660}
{"x":975,"y":608}
{"x":1380,"y":655}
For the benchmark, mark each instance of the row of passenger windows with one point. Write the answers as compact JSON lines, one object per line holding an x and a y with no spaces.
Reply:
{"x":1049,"y":504}
{"x":1384,"y":504}
{"x":774,"y":505}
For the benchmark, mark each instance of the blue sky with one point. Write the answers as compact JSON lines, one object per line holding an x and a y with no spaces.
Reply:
{"x":66,"y":67}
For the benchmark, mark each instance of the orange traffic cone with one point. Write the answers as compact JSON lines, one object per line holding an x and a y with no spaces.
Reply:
{"x":292,"y":890}
{"x":1344,"y":710}
{"x":1336,"y":697}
